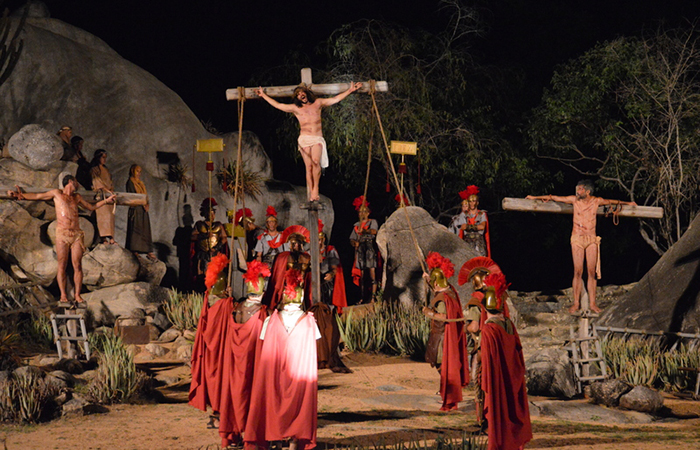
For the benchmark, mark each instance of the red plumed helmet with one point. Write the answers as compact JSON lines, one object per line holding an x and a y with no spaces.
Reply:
{"x":256,"y":269}
{"x":215,"y":266}
{"x":243,"y":212}
{"x":469,"y":191}
{"x":436,"y":261}
{"x":270,"y":211}
{"x":357,"y":203}
{"x":474,"y":264}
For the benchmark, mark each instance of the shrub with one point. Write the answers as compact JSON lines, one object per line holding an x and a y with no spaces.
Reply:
{"x":117,"y":379}
{"x":183,"y":310}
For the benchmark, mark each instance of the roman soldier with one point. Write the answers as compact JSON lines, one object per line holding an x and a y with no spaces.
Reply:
{"x":446,"y":349}
{"x":209,"y":239}
{"x":270,"y":240}
{"x":472,"y":224}
{"x":364,"y":239}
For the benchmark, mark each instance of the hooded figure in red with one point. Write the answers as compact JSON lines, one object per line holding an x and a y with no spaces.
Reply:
{"x":446,"y":349}
{"x":503,"y":373}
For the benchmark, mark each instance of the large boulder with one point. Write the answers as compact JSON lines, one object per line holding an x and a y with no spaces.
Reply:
{"x":608,"y":392}
{"x":24,"y":245}
{"x":66,"y":76}
{"x":666,"y":298}
{"x":403,"y":273}
{"x":109,"y":265}
{"x":550,"y":374}
{"x":642,"y":399}
{"x":35,"y":147}
{"x":108,"y":304}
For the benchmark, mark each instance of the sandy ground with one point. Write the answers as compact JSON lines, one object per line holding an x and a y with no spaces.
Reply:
{"x":386,"y":400}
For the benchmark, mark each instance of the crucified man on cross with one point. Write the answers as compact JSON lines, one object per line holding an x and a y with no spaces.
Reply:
{"x":585,"y":245}
{"x":306,"y":107}
{"x":69,"y":236}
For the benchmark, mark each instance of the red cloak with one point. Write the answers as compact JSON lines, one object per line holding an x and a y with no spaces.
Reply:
{"x":244,"y":345}
{"x":283,"y":401}
{"x":503,"y":381}
{"x":339,"y":298}
{"x":275,"y":287}
{"x":454,"y":371}
{"x":208,"y":354}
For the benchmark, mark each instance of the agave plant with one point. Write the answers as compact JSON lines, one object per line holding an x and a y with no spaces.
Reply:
{"x":177,"y":173}
{"x":183,"y":310}
{"x":249,"y":182}
{"x":117,"y":379}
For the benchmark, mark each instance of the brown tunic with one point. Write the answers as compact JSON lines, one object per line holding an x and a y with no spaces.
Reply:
{"x":102,"y":181}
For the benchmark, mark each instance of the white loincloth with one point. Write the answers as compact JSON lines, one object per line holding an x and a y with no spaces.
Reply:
{"x":307,"y":140}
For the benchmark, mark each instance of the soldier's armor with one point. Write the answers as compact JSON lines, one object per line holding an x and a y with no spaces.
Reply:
{"x":299,"y":261}
{"x":245,"y":310}
{"x":209,"y":237}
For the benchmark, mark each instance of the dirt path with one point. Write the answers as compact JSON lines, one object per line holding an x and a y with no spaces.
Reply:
{"x":386,"y":400}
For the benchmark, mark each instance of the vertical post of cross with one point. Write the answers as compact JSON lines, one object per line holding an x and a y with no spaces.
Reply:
{"x":312,"y":225}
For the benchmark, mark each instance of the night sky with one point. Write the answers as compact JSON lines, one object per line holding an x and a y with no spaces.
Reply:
{"x":200,"y":48}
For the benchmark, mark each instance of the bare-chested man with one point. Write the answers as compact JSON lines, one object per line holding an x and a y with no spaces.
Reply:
{"x":307,"y":109}
{"x":69,"y":236}
{"x":584,"y":242}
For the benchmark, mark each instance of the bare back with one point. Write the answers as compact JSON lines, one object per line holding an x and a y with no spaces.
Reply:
{"x":309,"y":117}
{"x":585,"y":216}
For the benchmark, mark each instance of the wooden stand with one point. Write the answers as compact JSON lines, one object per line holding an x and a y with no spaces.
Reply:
{"x":73,"y":319}
{"x":585,"y":348}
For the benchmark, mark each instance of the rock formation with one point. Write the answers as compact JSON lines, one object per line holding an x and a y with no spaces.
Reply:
{"x":666,"y":298}
{"x":66,"y":76}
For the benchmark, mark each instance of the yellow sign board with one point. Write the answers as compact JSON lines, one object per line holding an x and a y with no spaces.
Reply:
{"x":404,"y":148}
{"x":210,"y":145}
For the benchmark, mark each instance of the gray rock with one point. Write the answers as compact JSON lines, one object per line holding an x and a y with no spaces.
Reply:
{"x":74,"y":406}
{"x":169,"y":335}
{"x":665,"y":298}
{"x":167,"y":380}
{"x":403,"y":273}
{"x":151,"y":271}
{"x":24,"y":371}
{"x":119,"y":301}
{"x":608,"y":392}
{"x":585,"y":412}
{"x":161,"y":321}
{"x":35,"y":147}
{"x":156,"y":350}
{"x":61,"y":377}
{"x":550,"y":374}
{"x":71,"y":366}
{"x":184,"y":352}
{"x":24,"y":244}
{"x":48,"y":360}
{"x":94,"y":77}
{"x":642,"y":399}
{"x":109,"y":265}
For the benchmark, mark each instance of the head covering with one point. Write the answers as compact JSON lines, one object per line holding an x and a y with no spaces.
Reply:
{"x":207,"y":204}
{"x":469,"y":191}
{"x":215,"y":266}
{"x":357,"y":203}
{"x":271,"y":212}
{"x":296,"y":229}
{"x":255,"y":275}
{"x":494,"y":297}
{"x":474,"y":265}
{"x":243,"y":213}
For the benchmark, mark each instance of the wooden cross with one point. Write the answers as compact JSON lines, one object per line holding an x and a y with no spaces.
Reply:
{"x":313,"y":207}
{"x":318,"y":89}
{"x":524,"y":204}
{"x":123,"y":198}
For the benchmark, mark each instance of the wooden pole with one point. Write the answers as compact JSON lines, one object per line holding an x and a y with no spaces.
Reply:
{"x":123,"y":198}
{"x":526,"y":205}
{"x":312,"y":225}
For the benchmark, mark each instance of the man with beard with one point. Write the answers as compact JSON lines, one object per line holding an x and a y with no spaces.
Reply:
{"x":306,"y":107}
{"x":472,"y":224}
{"x":585,"y":245}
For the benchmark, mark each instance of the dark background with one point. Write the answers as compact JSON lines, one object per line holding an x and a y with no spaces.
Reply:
{"x":201,"y":48}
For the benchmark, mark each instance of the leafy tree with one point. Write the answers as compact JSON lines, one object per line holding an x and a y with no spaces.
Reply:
{"x":438,"y":97}
{"x":627,"y":112}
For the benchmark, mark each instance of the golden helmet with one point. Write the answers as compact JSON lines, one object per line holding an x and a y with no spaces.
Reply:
{"x":437,"y":278}
{"x":491,"y":302}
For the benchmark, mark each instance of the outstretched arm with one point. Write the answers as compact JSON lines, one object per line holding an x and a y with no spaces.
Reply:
{"x":333,"y":100}
{"x":101,"y":203}
{"x":286,"y":107}
{"x":19,"y":195}
{"x":546,"y":198}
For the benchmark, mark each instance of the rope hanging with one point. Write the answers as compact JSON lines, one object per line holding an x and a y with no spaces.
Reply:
{"x":239,"y":157}
{"x":421,"y":256}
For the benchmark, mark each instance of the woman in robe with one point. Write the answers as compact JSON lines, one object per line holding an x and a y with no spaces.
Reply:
{"x":102,"y":182}
{"x":138,"y":225}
